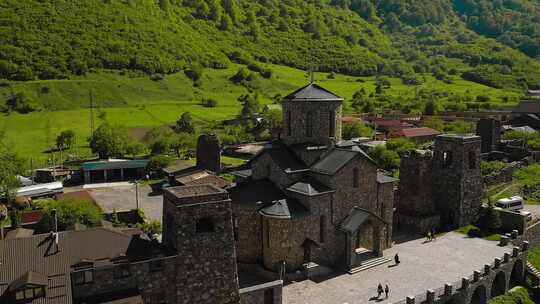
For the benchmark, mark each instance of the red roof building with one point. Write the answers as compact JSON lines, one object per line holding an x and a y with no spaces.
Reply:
{"x":417,"y":134}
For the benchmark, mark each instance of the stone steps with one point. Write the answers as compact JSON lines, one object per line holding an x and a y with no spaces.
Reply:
{"x":370,"y":264}
{"x":533,"y":270}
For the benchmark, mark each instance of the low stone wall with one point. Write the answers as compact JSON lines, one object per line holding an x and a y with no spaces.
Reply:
{"x":503,"y":176}
{"x":512,"y":221}
{"x":262,"y":293}
{"x":532,"y":234}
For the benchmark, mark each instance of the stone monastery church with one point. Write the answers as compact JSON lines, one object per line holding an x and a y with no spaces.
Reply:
{"x":309,"y":197}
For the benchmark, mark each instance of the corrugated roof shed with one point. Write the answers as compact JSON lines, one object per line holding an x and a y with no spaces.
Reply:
{"x":40,"y":254}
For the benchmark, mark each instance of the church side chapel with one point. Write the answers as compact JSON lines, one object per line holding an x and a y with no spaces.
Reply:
{"x":308,"y":198}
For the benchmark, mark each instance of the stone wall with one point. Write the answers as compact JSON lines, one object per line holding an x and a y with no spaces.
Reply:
{"x":512,"y":221}
{"x":457,"y":186}
{"x":532,"y":235}
{"x":267,"y":293}
{"x":249,"y":236}
{"x":503,"y":176}
{"x":265,"y":167}
{"x":206,"y":264}
{"x":415,"y":184}
{"x":154,"y":285}
{"x":321,"y":118}
{"x":418,"y":224}
{"x":385,"y":202}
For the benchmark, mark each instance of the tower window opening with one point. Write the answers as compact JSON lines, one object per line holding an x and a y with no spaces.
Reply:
{"x":472,"y":160}
{"x":309,"y":124}
{"x":447,"y":159}
{"x":205,"y":225}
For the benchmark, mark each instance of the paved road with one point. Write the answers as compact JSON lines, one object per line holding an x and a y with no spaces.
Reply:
{"x":534,"y":209}
{"x":423,"y":266}
{"x":122,"y":198}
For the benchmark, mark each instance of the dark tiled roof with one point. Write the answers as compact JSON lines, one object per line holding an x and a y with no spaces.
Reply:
{"x":242,"y":173}
{"x":309,"y":187}
{"x":312,"y":92}
{"x":39,"y":254}
{"x":255,"y":193}
{"x":283,"y":157}
{"x":286,"y":208}
{"x":332,"y":162}
{"x":528,"y":107}
{"x":357,"y":216}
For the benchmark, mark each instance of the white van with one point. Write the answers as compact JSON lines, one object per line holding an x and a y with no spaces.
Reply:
{"x":514,"y":203}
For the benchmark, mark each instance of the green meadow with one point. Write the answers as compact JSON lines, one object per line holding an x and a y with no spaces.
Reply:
{"x":136,"y":101}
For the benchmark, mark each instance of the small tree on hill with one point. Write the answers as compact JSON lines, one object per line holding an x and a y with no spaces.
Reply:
{"x":65,"y":140}
{"x":109,"y":141}
{"x":185,"y":124}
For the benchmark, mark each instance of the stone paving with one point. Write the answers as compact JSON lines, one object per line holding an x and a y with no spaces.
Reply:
{"x":122,"y":198}
{"x":424,"y":265}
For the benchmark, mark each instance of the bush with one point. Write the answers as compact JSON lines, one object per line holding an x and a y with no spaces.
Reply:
{"x":474,"y":233}
{"x":209,"y":102}
{"x":69,"y":211}
{"x":157,"y":77}
{"x":19,"y":103}
{"x":489,"y":167}
{"x":159,"y":162}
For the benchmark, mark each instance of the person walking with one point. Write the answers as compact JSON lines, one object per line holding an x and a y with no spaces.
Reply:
{"x":433,"y":234}
{"x":379,"y":290}
{"x":429,"y":236}
{"x":386,"y":290}
{"x":396,"y":259}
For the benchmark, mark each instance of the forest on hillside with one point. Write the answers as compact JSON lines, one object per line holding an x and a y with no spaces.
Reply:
{"x":495,"y":43}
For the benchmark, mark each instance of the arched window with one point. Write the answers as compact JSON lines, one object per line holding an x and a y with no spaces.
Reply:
{"x":204,"y":225}
{"x":472,"y":160}
{"x":322,"y":228}
{"x":356,"y":178}
{"x":331,"y":124}
{"x":289,"y":123}
{"x":309,"y":124}
{"x":447,"y":159}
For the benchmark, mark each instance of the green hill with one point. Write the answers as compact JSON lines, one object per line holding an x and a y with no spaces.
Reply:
{"x":145,"y":62}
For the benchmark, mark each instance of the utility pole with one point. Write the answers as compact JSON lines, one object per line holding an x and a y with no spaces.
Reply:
{"x":91,"y":113}
{"x":137,"y":193}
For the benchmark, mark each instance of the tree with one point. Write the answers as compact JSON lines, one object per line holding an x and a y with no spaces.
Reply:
{"x":151,"y":228}
{"x":357,"y":129}
{"x":215,"y":10}
{"x":195,"y":72}
{"x":164,"y":5}
{"x":250,"y":106}
{"x":434,"y":123}
{"x":3,"y":216}
{"x":401,"y":145}
{"x":108,"y":141}
{"x":387,"y":159}
{"x":225,"y":23}
{"x":185,"y":124}
{"x":490,"y":221}
{"x":69,"y":211}
{"x":11,"y":166}
{"x":430,"y":108}
{"x":182,"y":142}
{"x":273,"y":119}
{"x":65,"y":140}
{"x":231,"y":9}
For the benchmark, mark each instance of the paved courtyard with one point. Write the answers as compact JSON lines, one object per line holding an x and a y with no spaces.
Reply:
{"x":423,"y":266}
{"x":122,"y":198}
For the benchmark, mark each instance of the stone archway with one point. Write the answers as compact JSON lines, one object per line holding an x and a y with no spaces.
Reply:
{"x":498,"y":288}
{"x":517,"y":275}
{"x":479,"y":296}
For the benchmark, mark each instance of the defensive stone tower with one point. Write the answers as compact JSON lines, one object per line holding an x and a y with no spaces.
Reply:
{"x":489,"y":130}
{"x":312,"y":115}
{"x":415,"y":196}
{"x":198,"y":224}
{"x":457,"y":180}
{"x":209,"y":153}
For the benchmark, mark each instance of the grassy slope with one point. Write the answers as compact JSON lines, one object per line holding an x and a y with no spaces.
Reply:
{"x":141,"y":102}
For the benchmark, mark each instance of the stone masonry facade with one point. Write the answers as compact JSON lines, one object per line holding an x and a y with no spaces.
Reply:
{"x":441,"y":188}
